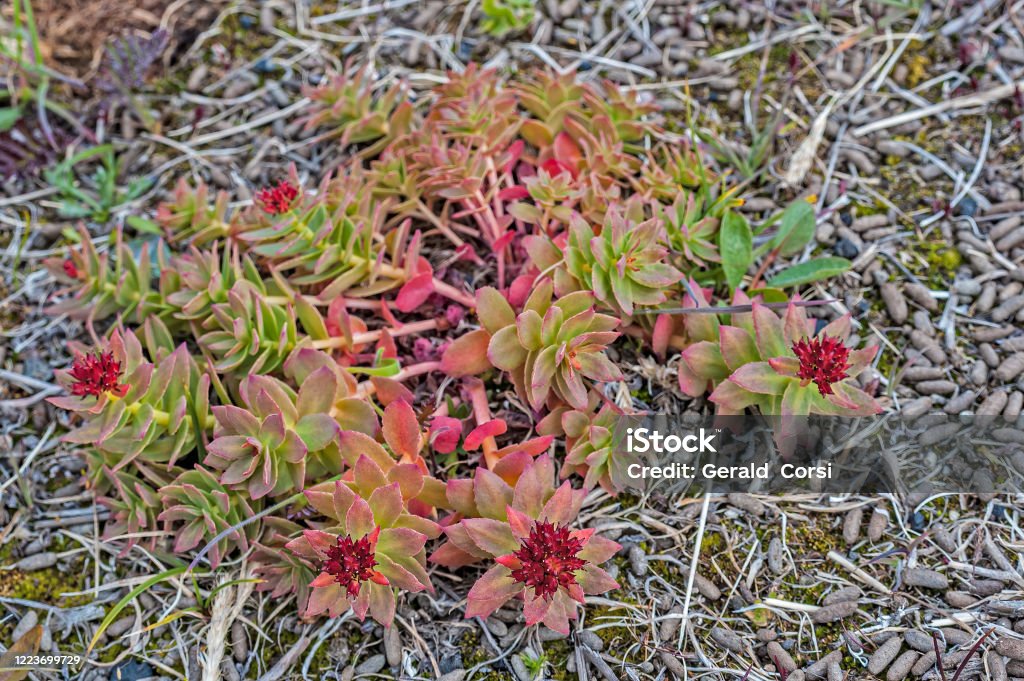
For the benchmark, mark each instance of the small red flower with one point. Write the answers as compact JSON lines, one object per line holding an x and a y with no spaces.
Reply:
{"x":547,"y":560}
{"x":70,"y":269}
{"x":351,"y":562}
{"x":823,"y":360}
{"x":97,"y":374}
{"x":279,"y":199}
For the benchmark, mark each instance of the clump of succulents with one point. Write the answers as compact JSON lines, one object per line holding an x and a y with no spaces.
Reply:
{"x":253,"y":388}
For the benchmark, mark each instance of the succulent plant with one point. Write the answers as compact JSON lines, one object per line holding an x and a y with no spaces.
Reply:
{"x":105,"y":286}
{"x":263,"y":444}
{"x":200,"y":508}
{"x":623,"y":265}
{"x":282,"y":572}
{"x":524,"y":535}
{"x":370,"y":547}
{"x":551,"y":347}
{"x":134,"y":507}
{"x":504,"y":16}
{"x":590,"y":448}
{"x":190,"y":217}
{"x":345,"y":103}
{"x":133,"y":409}
{"x":690,"y":230}
{"x":777,"y":364}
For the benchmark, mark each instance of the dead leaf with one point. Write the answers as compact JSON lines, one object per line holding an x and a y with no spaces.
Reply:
{"x":26,"y":645}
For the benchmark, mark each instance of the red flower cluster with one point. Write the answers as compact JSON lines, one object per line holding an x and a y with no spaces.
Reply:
{"x":351,"y":562}
{"x":96,"y":374}
{"x":823,"y":360}
{"x":279,"y":199}
{"x":70,"y":269}
{"x":548,"y":559}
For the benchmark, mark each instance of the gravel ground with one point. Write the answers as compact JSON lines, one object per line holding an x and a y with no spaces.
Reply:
{"x":903,"y":120}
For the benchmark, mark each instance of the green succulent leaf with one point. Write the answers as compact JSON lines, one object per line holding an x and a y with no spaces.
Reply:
{"x":810,"y":271}
{"x":796,"y":228}
{"x":735,"y":242}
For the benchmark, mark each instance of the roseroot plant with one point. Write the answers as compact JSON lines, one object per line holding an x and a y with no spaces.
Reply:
{"x":370,"y":546}
{"x":524,"y":536}
{"x":623,"y":263}
{"x":299,"y":381}
{"x":778,"y":365}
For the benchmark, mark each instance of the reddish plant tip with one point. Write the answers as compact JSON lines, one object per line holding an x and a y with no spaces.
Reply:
{"x":548,"y":558}
{"x":70,"y":269}
{"x":96,"y":374}
{"x":823,"y":360}
{"x":351,"y":563}
{"x":277,"y":200}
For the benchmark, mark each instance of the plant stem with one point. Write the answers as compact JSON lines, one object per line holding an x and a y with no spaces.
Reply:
{"x":482,"y":414}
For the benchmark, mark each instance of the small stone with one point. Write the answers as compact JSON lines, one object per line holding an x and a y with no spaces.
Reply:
{"x":39,"y":561}
{"x":591,"y":640}
{"x":834,"y":612}
{"x":996,"y":666}
{"x":885,"y":654}
{"x":775,"y":561}
{"x":371,"y":665}
{"x":924,"y":663}
{"x":851,"y":525}
{"x":239,"y":642}
{"x":132,"y":670}
{"x":894,"y":301}
{"x":781,"y":658}
{"x":901,"y":667}
{"x":847,"y":593}
{"x":393,"y":645}
{"x":918,"y":640}
{"x":845,"y":248}
{"x":727,"y":639}
{"x":877,"y":524}
{"x":925,"y":578}
{"x":706,"y":587}
{"x":1012,"y":648}
{"x":637,"y":561}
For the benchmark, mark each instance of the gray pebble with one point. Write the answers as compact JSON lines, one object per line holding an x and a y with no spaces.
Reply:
{"x":39,"y":561}
{"x":925,"y":578}
{"x":936,"y":387}
{"x":901,"y":667}
{"x":847,"y":593}
{"x":590,"y":639}
{"x":29,"y":620}
{"x":885,"y":654}
{"x":371,"y":665}
{"x":239,"y":642}
{"x":780,"y":657}
{"x":876,"y":524}
{"x":851,"y":525}
{"x":393,"y":644}
{"x":775,"y":562}
{"x":834,"y":612}
{"x":918,"y":640}
{"x":637,"y":561}
{"x":727,"y":638}
{"x":987,"y":298}
{"x":943,"y":539}
{"x":1012,"y":648}
{"x":706,"y":587}
{"x":955,"y":637}
{"x":915,"y":408}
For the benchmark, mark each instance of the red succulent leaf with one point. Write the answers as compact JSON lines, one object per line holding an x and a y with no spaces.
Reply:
{"x":477,"y":436}
{"x":445,"y":433}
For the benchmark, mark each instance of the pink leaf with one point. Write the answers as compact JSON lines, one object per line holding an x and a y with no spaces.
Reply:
{"x":445,"y":433}
{"x":415,"y":292}
{"x":401,"y":429}
{"x":467,"y":355}
{"x":477,"y":436}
